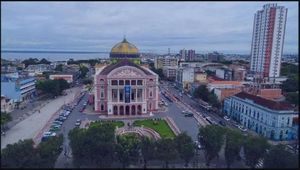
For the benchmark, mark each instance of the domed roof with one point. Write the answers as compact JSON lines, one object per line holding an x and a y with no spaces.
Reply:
{"x":124,"y":47}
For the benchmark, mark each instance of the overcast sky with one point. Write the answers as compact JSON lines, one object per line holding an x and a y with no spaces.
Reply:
{"x":151,"y":26}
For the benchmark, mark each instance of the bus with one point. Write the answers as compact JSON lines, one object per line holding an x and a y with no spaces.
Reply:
{"x":204,"y":105}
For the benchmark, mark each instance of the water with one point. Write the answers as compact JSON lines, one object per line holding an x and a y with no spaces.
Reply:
{"x":53,"y":56}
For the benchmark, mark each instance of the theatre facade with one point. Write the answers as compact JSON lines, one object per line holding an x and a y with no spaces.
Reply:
{"x":124,"y":87}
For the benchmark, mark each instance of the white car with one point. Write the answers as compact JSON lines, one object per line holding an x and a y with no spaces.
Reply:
{"x":78,"y":122}
{"x":49,"y":134}
{"x":242,"y":128}
{"x":198,"y":145}
{"x":226,"y":118}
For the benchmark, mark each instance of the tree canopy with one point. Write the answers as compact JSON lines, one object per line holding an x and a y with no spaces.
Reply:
{"x":279,"y":157}
{"x":254,"y":147}
{"x":212,"y":138}
{"x":52,"y":87}
{"x":23,"y":155}
{"x":185,"y":147}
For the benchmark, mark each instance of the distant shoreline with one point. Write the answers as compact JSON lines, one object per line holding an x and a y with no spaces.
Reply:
{"x":34,"y":51}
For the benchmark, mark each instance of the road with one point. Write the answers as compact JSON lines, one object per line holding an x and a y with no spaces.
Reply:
{"x":191,"y":103}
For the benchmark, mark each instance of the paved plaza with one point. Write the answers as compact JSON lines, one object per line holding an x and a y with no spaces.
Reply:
{"x":32,"y":125}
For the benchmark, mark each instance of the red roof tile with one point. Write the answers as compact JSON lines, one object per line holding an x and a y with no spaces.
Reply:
{"x":265,"y":102}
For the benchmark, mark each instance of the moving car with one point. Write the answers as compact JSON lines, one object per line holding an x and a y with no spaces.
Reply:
{"x":198,"y":145}
{"x":226,"y":118}
{"x":189,"y":115}
{"x":242,"y":128}
{"x":78,"y":122}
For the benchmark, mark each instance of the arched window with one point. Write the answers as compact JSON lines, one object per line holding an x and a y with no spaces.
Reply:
{"x":115,"y":109}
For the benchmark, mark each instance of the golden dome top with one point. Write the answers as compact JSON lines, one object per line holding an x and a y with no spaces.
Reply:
{"x":124,"y":47}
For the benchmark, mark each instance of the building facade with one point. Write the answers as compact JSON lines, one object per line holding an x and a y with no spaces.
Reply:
{"x":125,"y":88}
{"x":169,"y":61}
{"x":224,"y":73}
{"x":18,"y":88}
{"x":68,"y":77}
{"x":268,"y":118}
{"x":7,"y":105}
{"x":184,"y":77}
{"x":169,"y":72}
{"x":267,"y":40}
{"x":191,"y":55}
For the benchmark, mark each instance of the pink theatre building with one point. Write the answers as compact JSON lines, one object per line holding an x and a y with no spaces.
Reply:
{"x":124,"y":87}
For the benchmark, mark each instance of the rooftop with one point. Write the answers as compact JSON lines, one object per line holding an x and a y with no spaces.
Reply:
{"x":227,"y":82}
{"x":121,"y":63}
{"x":273,"y":105}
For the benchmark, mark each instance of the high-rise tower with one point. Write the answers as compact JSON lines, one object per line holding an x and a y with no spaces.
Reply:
{"x":267,"y":40}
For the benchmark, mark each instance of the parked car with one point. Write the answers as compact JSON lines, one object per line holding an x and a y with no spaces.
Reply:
{"x":54,"y":128}
{"x":226,"y":118}
{"x":63,"y":117}
{"x":49,"y":134}
{"x":242,"y":128}
{"x":184,"y":112}
{"x":57,"y":122}
{"x":78,"y":122}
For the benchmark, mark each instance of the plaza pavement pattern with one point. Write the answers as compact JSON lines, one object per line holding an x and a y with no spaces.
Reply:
{"x":31,"y":126}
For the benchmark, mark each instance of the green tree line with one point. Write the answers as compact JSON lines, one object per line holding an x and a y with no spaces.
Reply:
{"x":52,"y":87}
{"x":23,"y":154}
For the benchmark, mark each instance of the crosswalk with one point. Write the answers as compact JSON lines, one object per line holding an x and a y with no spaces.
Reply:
{"x":260,"y":163}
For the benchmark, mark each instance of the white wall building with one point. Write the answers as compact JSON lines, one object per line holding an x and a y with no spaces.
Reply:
{"x":268,"y":118}
{"x":267,"y":40}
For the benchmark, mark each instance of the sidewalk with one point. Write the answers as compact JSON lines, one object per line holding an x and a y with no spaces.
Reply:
{"x":33,"y":124}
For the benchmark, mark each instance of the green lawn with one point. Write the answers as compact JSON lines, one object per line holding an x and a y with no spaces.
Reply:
{"x":115,"y":123}
{"x":160,"y":127}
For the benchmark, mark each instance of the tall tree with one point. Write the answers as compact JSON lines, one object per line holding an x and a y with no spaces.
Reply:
{"x":234,"y":141}
{"x":44,"y":61}
{"x":128,"y":147}
{"x":254,"y":147}
{"x":83,"y":71}
{"x":147,"y":149}
{"x":166,"y":150}
{"x":94,"y":146}
{"x":212,"y":138}
{"x":19,"y":155}
{"x":30,"y":61}
{"x":185,"y":147}
{"x":59,"y":67}
{"x":279,"y":157}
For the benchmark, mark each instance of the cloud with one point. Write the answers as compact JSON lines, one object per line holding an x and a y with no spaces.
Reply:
{"x":154,"y":26}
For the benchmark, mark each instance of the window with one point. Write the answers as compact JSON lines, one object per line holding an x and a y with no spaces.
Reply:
{"x":102,"y":107}
{"x":121,"y":91}
{"x":121,"y":82}
{"x":114,"y":94}
{"x":127,"y":82}
{"x":102,"y":94}
{"x":114,"y":82}
{"x":133,"y":82}
{"x":150,"y":93}
{"x":288,"y":121}
{"x":140,"y":82}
